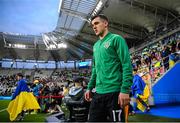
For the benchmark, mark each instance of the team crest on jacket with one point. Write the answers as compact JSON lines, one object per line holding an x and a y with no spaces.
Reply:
{"x":106,"y":44}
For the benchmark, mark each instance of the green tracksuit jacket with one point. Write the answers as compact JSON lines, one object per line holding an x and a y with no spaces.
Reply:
{"x":111,"y":68}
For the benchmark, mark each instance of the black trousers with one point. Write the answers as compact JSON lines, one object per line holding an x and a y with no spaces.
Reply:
{"x":105,"y":108}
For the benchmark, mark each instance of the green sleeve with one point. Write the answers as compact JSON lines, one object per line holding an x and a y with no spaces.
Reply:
{"x":123,"y":54}
{"x":92,"y":81}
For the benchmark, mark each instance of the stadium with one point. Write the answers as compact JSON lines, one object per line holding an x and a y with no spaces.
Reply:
{"x":50,"y":42}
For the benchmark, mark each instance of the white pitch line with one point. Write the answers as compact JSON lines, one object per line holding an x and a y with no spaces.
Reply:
{"x":3,"y":110}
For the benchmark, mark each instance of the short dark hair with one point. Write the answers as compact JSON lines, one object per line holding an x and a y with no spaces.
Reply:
{"x":78,"y":79}
{"x":20,"y":74}
{"x":102,"y":16}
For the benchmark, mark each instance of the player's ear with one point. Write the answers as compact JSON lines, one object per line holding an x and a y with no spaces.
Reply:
{"x":106,"y":23}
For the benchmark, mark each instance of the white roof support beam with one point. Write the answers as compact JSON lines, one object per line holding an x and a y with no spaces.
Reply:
{"x":75,"y":14}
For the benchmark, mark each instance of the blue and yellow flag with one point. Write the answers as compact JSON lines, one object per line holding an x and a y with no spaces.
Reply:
{"x":22,"y":100}
{"x":141,"y":92}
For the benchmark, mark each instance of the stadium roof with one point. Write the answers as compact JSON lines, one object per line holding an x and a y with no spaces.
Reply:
{"x":137,"y":21}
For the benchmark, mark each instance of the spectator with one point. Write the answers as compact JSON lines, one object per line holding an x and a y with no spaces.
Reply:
{"x":22,"y":100}
{"x":140,"y":92}
{"x":164,"y":55}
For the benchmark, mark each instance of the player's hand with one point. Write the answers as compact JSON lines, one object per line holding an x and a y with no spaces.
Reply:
{"x":88,"y":95}
{"x":123,"y":99}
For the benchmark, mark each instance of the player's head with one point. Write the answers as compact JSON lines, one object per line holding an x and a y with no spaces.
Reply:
{"x":19,"y":76}
{"x":99,"y":24}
